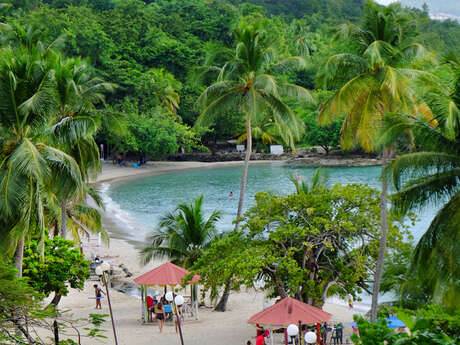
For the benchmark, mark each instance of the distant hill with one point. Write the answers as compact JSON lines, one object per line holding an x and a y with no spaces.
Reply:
{"x":343,"y":9}
{"x":436,"y":6}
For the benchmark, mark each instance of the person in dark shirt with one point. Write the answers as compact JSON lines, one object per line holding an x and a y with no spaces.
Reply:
{"x":98,"y":292}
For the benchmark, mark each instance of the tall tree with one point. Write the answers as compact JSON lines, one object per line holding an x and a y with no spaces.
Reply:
{"x":374,"y":79}
{"x":75,"y":123}
{"x":182,"y":235}
{"x":432,"y":176}
{"x":27,"y":88}
{"x":247,"y":84}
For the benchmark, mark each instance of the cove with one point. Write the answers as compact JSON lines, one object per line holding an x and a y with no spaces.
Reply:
{"x":137,"y":205}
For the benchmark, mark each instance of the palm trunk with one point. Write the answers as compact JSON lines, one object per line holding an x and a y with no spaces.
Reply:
{"x":19,"y":256}
{"x":245,"y":171}
{"x":63,"y":219}
{"x":383,"y":240}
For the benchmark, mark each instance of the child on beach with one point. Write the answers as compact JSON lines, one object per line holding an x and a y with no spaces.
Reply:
{"x":98,"y":292}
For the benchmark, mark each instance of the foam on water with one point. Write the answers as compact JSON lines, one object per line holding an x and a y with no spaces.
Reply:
{"x":133,"y":228}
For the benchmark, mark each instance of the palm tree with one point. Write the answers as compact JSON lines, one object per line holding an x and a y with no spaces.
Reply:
{"x":75,"y":123}
{"x":81,"y":219}
{"x":374,"y":80}
{"x":319,"y":177}
{"x":432,"y":176}
{"x":245,"y":83}
{"x":27,"y":90}
{"x":182,"y":235}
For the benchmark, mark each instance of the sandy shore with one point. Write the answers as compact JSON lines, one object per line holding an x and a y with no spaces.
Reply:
{"x":212,"y":328}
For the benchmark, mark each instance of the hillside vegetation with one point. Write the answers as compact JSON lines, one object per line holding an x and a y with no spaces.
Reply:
{"x":151,"y":51}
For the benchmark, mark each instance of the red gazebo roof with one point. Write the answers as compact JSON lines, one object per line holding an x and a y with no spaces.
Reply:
{"x":287,"y":311}
{"x":166,"y":274}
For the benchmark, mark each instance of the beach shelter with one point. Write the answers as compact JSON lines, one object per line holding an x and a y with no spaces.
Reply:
{"x":289,"y":311}
{"x":164,"y":275}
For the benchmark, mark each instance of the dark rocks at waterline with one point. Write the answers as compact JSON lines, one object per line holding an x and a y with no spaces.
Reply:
{"x":314,"y":159}
{"x":223,"y":157}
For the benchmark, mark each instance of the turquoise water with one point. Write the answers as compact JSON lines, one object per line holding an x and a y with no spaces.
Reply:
{"x":138,"y":204}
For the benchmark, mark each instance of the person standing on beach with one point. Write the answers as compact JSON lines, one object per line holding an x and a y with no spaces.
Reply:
{"x":160,"y":315}
{"x":350,"y":301}
{"x":98,"y":292}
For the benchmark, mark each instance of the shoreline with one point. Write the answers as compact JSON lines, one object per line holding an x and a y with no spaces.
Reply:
{"x":114,"y":173}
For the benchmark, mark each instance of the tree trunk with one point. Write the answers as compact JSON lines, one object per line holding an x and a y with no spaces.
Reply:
{"x":222,"y":305}
{"x":19,"y":256}
{"x":56,"y":332}
{"x":56,"y":299}
{"x":383,"y":240}
{"x":63,"y":219}
{"x":245,"y":171}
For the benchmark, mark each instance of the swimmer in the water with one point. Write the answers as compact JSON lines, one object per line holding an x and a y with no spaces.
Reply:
{"x":231,"y":194}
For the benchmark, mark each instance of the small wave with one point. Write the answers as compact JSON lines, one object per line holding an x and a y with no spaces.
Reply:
{"x":122,"y":219}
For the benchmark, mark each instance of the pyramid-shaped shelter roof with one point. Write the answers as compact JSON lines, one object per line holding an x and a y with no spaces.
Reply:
{"x":166,"y":274}
{"x":289,"y":311}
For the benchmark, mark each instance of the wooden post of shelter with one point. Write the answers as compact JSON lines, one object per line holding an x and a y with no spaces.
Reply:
{"x":142,"y":303}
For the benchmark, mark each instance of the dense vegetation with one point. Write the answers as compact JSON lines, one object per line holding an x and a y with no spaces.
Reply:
{"x":150,"y":49}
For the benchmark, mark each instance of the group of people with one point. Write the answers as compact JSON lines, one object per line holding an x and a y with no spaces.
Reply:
{"x":121,"y":161}
{"x":336,"y":334}
{"x":158,"y":308}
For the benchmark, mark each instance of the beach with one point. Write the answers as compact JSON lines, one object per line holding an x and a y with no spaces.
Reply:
{"x":229,"y":327}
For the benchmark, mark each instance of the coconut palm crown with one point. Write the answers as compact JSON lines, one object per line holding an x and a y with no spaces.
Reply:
{"x":374,"y":74}
{"x":182,"y":235}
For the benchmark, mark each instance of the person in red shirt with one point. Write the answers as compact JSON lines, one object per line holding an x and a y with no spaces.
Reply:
{"x":150,"y":305}
{"x":260,"y":340}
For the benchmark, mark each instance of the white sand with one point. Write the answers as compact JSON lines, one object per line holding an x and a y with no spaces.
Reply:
{"x":112,"y":172}
{"x":213,"y":328}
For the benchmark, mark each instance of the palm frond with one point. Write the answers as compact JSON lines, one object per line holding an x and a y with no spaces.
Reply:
{"x":426,"y":190}
{"x":437,"y":253}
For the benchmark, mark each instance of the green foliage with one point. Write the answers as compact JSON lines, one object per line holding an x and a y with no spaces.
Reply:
{"x":30,"y":157}
{"x":428,"y":177}
{"x":399,"y":278}
{"x":63,"y":266}
{"x":96,"y":320}
{"x":376,"y":333}
{"x":156,"y":135}
{"x":308,"y":245}
{"x":427,"y":326}
{"x":375,"y":74}
{"x":182,"y":235}
{"x":328,"y":137}
{"x":125,"y":40}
